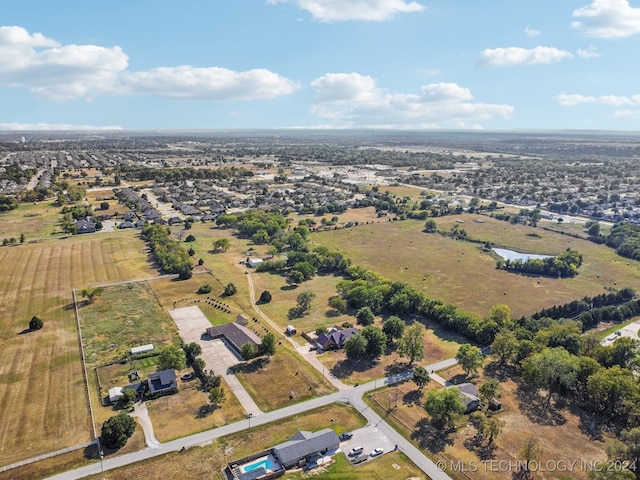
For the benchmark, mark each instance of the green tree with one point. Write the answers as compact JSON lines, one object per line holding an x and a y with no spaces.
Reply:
{"x":553,"y":369}
{"x":338,"y":304}
{"x":304,"y":300}
{"x":430,"y":226}
{"x":420,"y":377}
{"x":530,"y":452}
{"x":505,"y":346}
{"x":248,"y":351}
{"x":393,"y":328}
{"x":221,"y":245}
{"x":117,"y":430}
{"x":190,"y":238}
{"x":376,"y":340}
{"x":444,"y":406}
{"x":626,"y":449}
{"x":206,"y":288}
{"x":268,"y":346}
{"x":128,"y":398}
{"x":35,"y":323}
{"x":365,"y":316}
{"x":230,"y":289}
{"x":193,"y":350}
{"x":295,"y":277}
{"x":171,"y":356}
{"x":488,"y":390}
{"x":470,"y":358}
{"x":501,"y":314}
{"x":265,"y":297}
{"x":356,"y":347}
{"x":104,"y":206}
{"x":411,"y":343}
{"x":91,"y":293}
{"x":216,"y":396}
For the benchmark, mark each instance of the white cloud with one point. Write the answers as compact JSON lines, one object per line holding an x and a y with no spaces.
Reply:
{"x":504,"y":57}
{"x":26,"y":127}
{"x":212,"y":83}
{"x":531,"y":32}
{"x":572,"y":100}
{"x":608,"y":19}
{"x":54,"y":71}
{"x":354,"y":100}
{"x":589,"y":52}
{"x":344,"y":10}
{"x":63,"y":72}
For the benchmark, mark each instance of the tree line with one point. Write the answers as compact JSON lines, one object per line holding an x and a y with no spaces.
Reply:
{"x":170,"y":255}
{"x":563,"y":265}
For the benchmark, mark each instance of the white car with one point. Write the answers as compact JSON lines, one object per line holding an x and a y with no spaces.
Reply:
{"x":376,"y":451}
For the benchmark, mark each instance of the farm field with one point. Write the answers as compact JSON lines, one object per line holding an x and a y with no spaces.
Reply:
{"x":36,"y":221}
{"x":43,"y":403}
{"x":458,"y":272}
{"x":206,"y":462}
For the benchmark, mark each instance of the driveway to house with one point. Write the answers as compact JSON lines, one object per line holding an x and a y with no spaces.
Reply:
{"x":192,"y":324}
{"x":630,"y":331}
{"x":140,"y":412}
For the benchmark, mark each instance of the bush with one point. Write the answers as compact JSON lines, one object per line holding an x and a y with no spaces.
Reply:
{"x":35,"y":323}
{"x":206,"y":288}
{"x":117,"y":430}
{"x":265,"y":297}
{"x":230,"y":289}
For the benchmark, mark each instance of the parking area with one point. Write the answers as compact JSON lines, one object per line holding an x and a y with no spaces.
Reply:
{"x":630,"y":330}
{"x":369,"y":438}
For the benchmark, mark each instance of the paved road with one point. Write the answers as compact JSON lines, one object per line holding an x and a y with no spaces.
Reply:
{"x":352,"y":396}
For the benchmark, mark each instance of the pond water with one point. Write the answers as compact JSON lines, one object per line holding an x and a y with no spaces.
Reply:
{"x":512,"y":255}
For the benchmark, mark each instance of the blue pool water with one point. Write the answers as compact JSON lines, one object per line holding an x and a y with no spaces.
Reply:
{"x":266,"y":463}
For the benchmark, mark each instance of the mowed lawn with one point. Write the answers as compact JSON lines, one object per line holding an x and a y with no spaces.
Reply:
{"x":43,"y":406}
{"x":458,"y":272}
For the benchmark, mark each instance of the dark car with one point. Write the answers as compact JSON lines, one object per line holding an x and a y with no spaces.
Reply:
{"x":345,"y":436}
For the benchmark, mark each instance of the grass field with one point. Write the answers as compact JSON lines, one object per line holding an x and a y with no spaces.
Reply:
{"x":207,"y":461}
{"x":42,"y":401}
{"x":286,"y":377}
{"x":458,"y":272}
{"x":189,"y":412}
{"x":124,"y":316}
{"x":35,"y":221}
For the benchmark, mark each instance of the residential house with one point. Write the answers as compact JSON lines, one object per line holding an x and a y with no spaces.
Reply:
{"x":335,"y":339}
{"x":235,"y":335}
{"x":163,"y":382}
{"x":469,"y":394}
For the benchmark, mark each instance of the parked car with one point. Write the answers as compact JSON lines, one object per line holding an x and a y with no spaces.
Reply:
{"x":376,"y":451}
{"x":355,"y":451}
{"x":345,"y":436}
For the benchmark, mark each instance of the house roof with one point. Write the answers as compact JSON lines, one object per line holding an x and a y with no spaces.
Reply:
{"x":235,"y":334}
{"x":304,"y":443}
{"x":163,"y":380}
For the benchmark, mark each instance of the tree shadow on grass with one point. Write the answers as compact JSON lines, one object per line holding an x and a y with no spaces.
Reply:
{"x":537,"y":409}
{"x":345,"y":368}
{"x":395,"y":368}
{"x":430,"y":437}
{"x":477,"y":444}
{"x":251,"y":366}
{"x":414,"y":397}
{"x":206,"y":410}
{"x":501,"y":372}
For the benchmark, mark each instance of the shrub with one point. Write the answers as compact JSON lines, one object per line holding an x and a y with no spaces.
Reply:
{"x":206,"y":288}
{"x":35,"y":323}
{"x":117,"y":430}
{"x":265,"y":297}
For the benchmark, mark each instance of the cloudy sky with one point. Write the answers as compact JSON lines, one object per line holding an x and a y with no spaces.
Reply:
{"x":418,"y":64}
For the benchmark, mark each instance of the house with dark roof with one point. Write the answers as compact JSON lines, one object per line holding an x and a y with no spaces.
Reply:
{"x":162,"y":382}
{"x":304,"y":445}
{"x":335,"y":339}
{"x":85,"y":225}
{"x":235,"y":335}
{"x":469,"y":394}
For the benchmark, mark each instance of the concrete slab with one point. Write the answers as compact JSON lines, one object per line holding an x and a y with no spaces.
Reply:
{"x":192,"y":324}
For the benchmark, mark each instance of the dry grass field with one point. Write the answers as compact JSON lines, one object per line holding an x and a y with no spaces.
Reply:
{"x":286,"y":377}
{"x":36,"y":221}
{"x":206,"y":462}
{"x":559,"y":430}
{"x":43,"y":406}
{"x":189,"y":412}
{"x":460,"y":273}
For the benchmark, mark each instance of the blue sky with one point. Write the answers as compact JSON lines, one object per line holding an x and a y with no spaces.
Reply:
{"x":403,"y":64}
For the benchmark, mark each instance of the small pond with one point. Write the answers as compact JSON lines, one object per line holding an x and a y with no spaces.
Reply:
{"x":511,"y":255}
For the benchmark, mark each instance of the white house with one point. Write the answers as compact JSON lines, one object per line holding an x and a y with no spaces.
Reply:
{"x":254,"y":262}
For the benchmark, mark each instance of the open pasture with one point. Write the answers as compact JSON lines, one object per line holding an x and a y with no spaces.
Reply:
{"x":43,"y":404}
{"x":458,"y":272}
{"x":35,"y":220}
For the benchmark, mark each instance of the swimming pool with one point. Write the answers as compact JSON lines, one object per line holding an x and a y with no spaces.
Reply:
{"x":263,"y":462}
